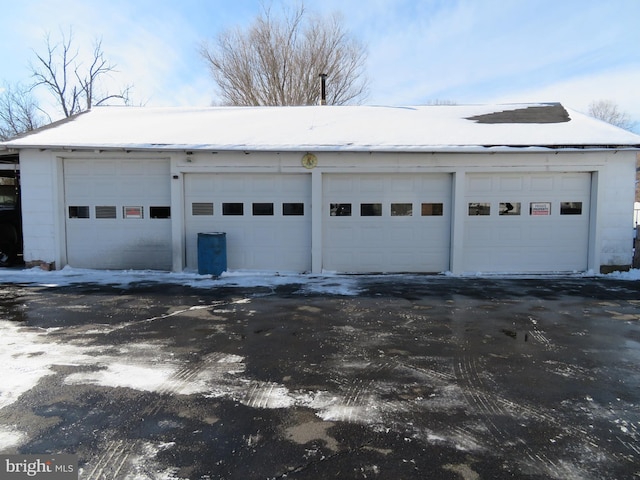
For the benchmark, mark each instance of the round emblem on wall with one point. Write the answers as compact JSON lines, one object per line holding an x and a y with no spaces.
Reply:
{"x":309,"y":160}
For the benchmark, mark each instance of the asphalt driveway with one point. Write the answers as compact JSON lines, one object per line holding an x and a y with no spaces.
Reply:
{"x":401,"y":377}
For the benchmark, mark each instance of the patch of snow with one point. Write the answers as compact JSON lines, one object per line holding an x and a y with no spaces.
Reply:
{"x":332,"y":285}
{"x":633,"y":274}
{"x":264,"y":395}
{"x":26,"y":357}
{"x":149,"y":377}
{"x":145,"y":465}
{"x":231,"y":359}
{"x":330,"y":407}
{"x":350,"y":413}
{"x":10,"y":437}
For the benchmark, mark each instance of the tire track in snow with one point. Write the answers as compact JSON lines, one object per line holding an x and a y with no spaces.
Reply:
{"x":631,"y":443}
{"x":109,"y":465}
{"x":258,"y":395}
{"x":172,"y":386}
{"x":435,"y":375}
{"x":490,"y":409}
{"x":415,"y":413}
{"x":474,"y":390}
{"x":630,"y":446}
{"x":359,"y":400}
{"x":356,"y":398}
{"x":465,"y":438}
{"x":112,"y":463}
{"x":215,"y":364}
{"x":539,"y":335}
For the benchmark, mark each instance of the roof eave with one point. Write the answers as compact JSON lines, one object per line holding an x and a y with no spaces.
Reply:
{"x":166,"y":148}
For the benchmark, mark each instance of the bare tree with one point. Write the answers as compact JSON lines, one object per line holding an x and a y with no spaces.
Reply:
{"x":19,"y":112}
{"x":608,"y":111}
{"x":74,"y":84}
{"x":277,"y":61}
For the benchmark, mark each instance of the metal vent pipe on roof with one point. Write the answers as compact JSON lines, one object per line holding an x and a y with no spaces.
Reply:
{"x":323,"y":90}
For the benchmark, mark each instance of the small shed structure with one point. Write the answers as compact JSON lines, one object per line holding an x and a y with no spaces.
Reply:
{"x":518,"y":188}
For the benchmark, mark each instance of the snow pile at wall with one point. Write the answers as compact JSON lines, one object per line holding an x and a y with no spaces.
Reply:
{"x":326,"y":283}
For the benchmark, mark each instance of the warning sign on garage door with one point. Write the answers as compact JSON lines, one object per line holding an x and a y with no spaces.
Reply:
{"x":540,"y":208}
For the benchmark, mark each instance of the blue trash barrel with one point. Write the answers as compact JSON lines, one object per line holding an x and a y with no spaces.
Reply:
{"x":212,"y":253}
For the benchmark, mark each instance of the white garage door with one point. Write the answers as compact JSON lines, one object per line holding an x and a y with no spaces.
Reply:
{"x":118,"y":214}
{"x":527,"y":222}
{"x":386,"y":223}
{"x":266,"y":218}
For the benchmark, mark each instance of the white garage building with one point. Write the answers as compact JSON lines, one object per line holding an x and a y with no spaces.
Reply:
{"x":485,"y":188}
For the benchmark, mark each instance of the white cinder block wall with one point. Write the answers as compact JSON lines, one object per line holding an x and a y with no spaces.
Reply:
{"x":613,"y":189}
{"x":616,"y":192}
{"x":40,"y":178}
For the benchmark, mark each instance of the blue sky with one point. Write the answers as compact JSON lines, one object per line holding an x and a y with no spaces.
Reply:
{"x":466,"y":51}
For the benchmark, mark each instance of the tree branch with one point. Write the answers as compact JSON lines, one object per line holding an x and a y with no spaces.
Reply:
{"x":276,"y":61}
{"x":74,"y":85}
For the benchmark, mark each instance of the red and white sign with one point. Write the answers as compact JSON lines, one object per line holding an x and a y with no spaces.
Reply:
{"x":132,"y":212}
{"x":541,"y":209}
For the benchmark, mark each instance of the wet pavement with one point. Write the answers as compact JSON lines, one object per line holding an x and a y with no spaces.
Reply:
{"x":412,"y":378}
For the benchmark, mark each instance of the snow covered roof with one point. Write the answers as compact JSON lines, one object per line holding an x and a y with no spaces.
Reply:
{"x":330,"y":128}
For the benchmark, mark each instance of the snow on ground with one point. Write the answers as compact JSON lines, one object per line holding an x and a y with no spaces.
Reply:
{"x":630,"y":275}
{"x":11,"y":437}
{"x":28,"y":354}
{"x":327,"y":282}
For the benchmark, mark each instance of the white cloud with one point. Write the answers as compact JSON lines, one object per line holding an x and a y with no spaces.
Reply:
{"x":468,"y":50}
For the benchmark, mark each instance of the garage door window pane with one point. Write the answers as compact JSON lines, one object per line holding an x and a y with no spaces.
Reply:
{"x":401,"y":209}
{"x":540,"y":209}
{"x":432,"y":209}
{"x":78,"y":212}
{"x":340,"y":209}
{"x":160,"y":212}
{"x":479,"y":209}
{"x":510,"y":208}
{"x":106,"y":212}
{"x":232,"y":209}
{"x":293,"y":209}
{"x":133,"y":212}
{"x":571,"y":208}
{"x":263,"y":208}
{"x":370,"y":209}
{"x":199,"y":208}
